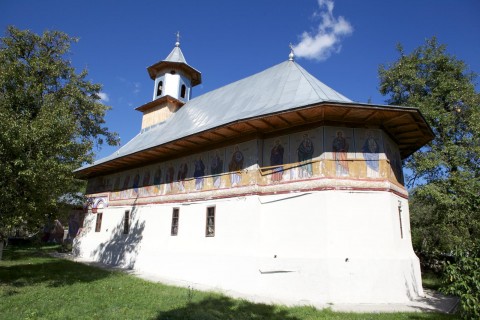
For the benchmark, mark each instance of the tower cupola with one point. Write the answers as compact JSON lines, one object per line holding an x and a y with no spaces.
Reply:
{"x":173,"y":83}
{"x":173,"y":76}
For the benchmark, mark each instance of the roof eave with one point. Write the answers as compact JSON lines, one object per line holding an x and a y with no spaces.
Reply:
{"x":405,"y":125}
{"x":155,"y":69}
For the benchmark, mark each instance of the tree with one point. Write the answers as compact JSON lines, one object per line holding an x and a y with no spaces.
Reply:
{"x":444,"y":175}
{"x":50,"y":120}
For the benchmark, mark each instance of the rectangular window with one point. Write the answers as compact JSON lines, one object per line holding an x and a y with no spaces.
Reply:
{"x":175,"y":216}
{"x":98,"y":225}
{"x":210,"y":229}
{"x":126,"y":222}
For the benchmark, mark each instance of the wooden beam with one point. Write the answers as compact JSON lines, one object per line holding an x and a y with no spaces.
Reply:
{"x":268,"y":123}
{"x":300,"y":116}
{"x":386,"y":123}
{"x":251,"y":126}
{"x":169,"y":148}
{"x":370,"y":116}
{"x":204,"y":138}
{"x":345,"y":113}
{"x":191,"y":142}
{"x":285,"y":120}
{"x":218,"y":134}
{"x":231,"y":129}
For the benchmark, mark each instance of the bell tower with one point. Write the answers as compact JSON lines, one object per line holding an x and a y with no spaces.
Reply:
{"x":173,"y":82}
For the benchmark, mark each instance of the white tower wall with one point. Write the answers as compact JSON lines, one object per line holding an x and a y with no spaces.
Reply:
{"x":172,"y":85}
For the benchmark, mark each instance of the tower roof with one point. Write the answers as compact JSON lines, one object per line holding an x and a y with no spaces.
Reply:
{"x":176,"y":56}
{"x":176,"y":60}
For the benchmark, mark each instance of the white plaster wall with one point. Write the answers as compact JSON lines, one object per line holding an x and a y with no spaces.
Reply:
{"x":319,"y":247}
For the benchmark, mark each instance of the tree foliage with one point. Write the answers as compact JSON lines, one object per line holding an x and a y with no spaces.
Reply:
{"x":50,"y":120}
{"x":444,"y":175}
{"x":462,"y":278}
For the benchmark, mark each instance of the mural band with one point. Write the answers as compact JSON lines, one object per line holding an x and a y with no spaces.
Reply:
{"x":323,"y":152}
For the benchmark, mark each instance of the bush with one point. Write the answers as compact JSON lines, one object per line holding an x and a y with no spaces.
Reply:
{"x":462,"y":278}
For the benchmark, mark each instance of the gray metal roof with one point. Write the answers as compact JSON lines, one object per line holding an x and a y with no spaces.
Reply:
{"x":282,"y":87}
{"x":176,"y":56}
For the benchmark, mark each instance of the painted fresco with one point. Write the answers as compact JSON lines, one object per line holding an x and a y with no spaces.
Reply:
{"x":239,"y":158}
{"x":216,"y":161}
{"x":339,"y":147}
{"x":305,"y":148}
{"x":323,"y":152}
{"x":369,"y":147}
{"x":199,"y":173}
{"x":183,"y":167}
{"x":169,"y":173}
{"x":393,"y":156}
{"x":275,"y":155}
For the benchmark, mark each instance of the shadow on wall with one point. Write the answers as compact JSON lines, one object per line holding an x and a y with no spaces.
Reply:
{"x":121,"y":249}
{"x":226,"y":308}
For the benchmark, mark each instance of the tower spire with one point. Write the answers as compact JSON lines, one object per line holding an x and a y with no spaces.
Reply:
{"x":291,"y":55}
{"x":177,"y":44}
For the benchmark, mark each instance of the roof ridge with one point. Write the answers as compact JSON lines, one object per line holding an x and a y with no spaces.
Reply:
{"x":308,"y":80}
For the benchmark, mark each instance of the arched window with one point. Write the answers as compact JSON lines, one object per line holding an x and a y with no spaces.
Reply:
{"x":159,"y":88}
{"x":183,"y":91}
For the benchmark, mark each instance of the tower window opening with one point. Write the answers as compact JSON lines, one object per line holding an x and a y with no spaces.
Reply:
{"x":159,"y":88}
{"x":183,"y":91}
{"x":173,"y":72}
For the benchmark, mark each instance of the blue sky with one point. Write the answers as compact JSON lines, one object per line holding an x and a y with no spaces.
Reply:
{"x":340,"y":42}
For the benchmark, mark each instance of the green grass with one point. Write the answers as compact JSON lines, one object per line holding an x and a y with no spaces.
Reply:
{"x":34,"y":285}
{"x":432,"y":281}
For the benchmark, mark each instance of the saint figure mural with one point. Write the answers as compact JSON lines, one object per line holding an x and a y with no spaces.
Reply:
{"x":169,"y":177}
{"x":181,"y":176}
{"x":157,"y":180}
{"x":305,"y":153}
{"x":116,"y":185}
{"x":125,"y":191}
{"x":371,"y":155}
{"x":340,"y":150}
{"x":235,"y":166}
{"x":116,"y":194}
{"x":276,"y":161}
{"x":145,"y":184}
{"x":136,"y":183}
{"x":216,"y":168}
{"x":199,"y":173}
{"x":395,"y":163}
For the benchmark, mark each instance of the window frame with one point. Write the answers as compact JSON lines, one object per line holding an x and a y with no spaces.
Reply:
{"x":175,"y":221}
{"x":98,"y":222}
{"x":126,"y":222}
{"x":210,"y":212}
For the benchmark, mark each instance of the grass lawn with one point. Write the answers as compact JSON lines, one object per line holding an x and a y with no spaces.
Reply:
{"x":34,"y":285}
{"x":431,"y":281}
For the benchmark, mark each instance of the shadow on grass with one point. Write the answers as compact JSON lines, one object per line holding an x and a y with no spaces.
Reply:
{"x":224,"y":308}
{"x":24,"y":251}
{"x":48,"y":271}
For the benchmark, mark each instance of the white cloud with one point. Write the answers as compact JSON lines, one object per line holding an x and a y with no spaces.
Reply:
{"x":103,"y":96}
{"x":325,"y":40}
{"x":136,"y":87}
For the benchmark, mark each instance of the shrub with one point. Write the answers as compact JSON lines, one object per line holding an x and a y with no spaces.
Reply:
{"x":462,"y":278}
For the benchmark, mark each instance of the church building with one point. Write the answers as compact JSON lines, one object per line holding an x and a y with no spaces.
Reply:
{"x":275,"y":186}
